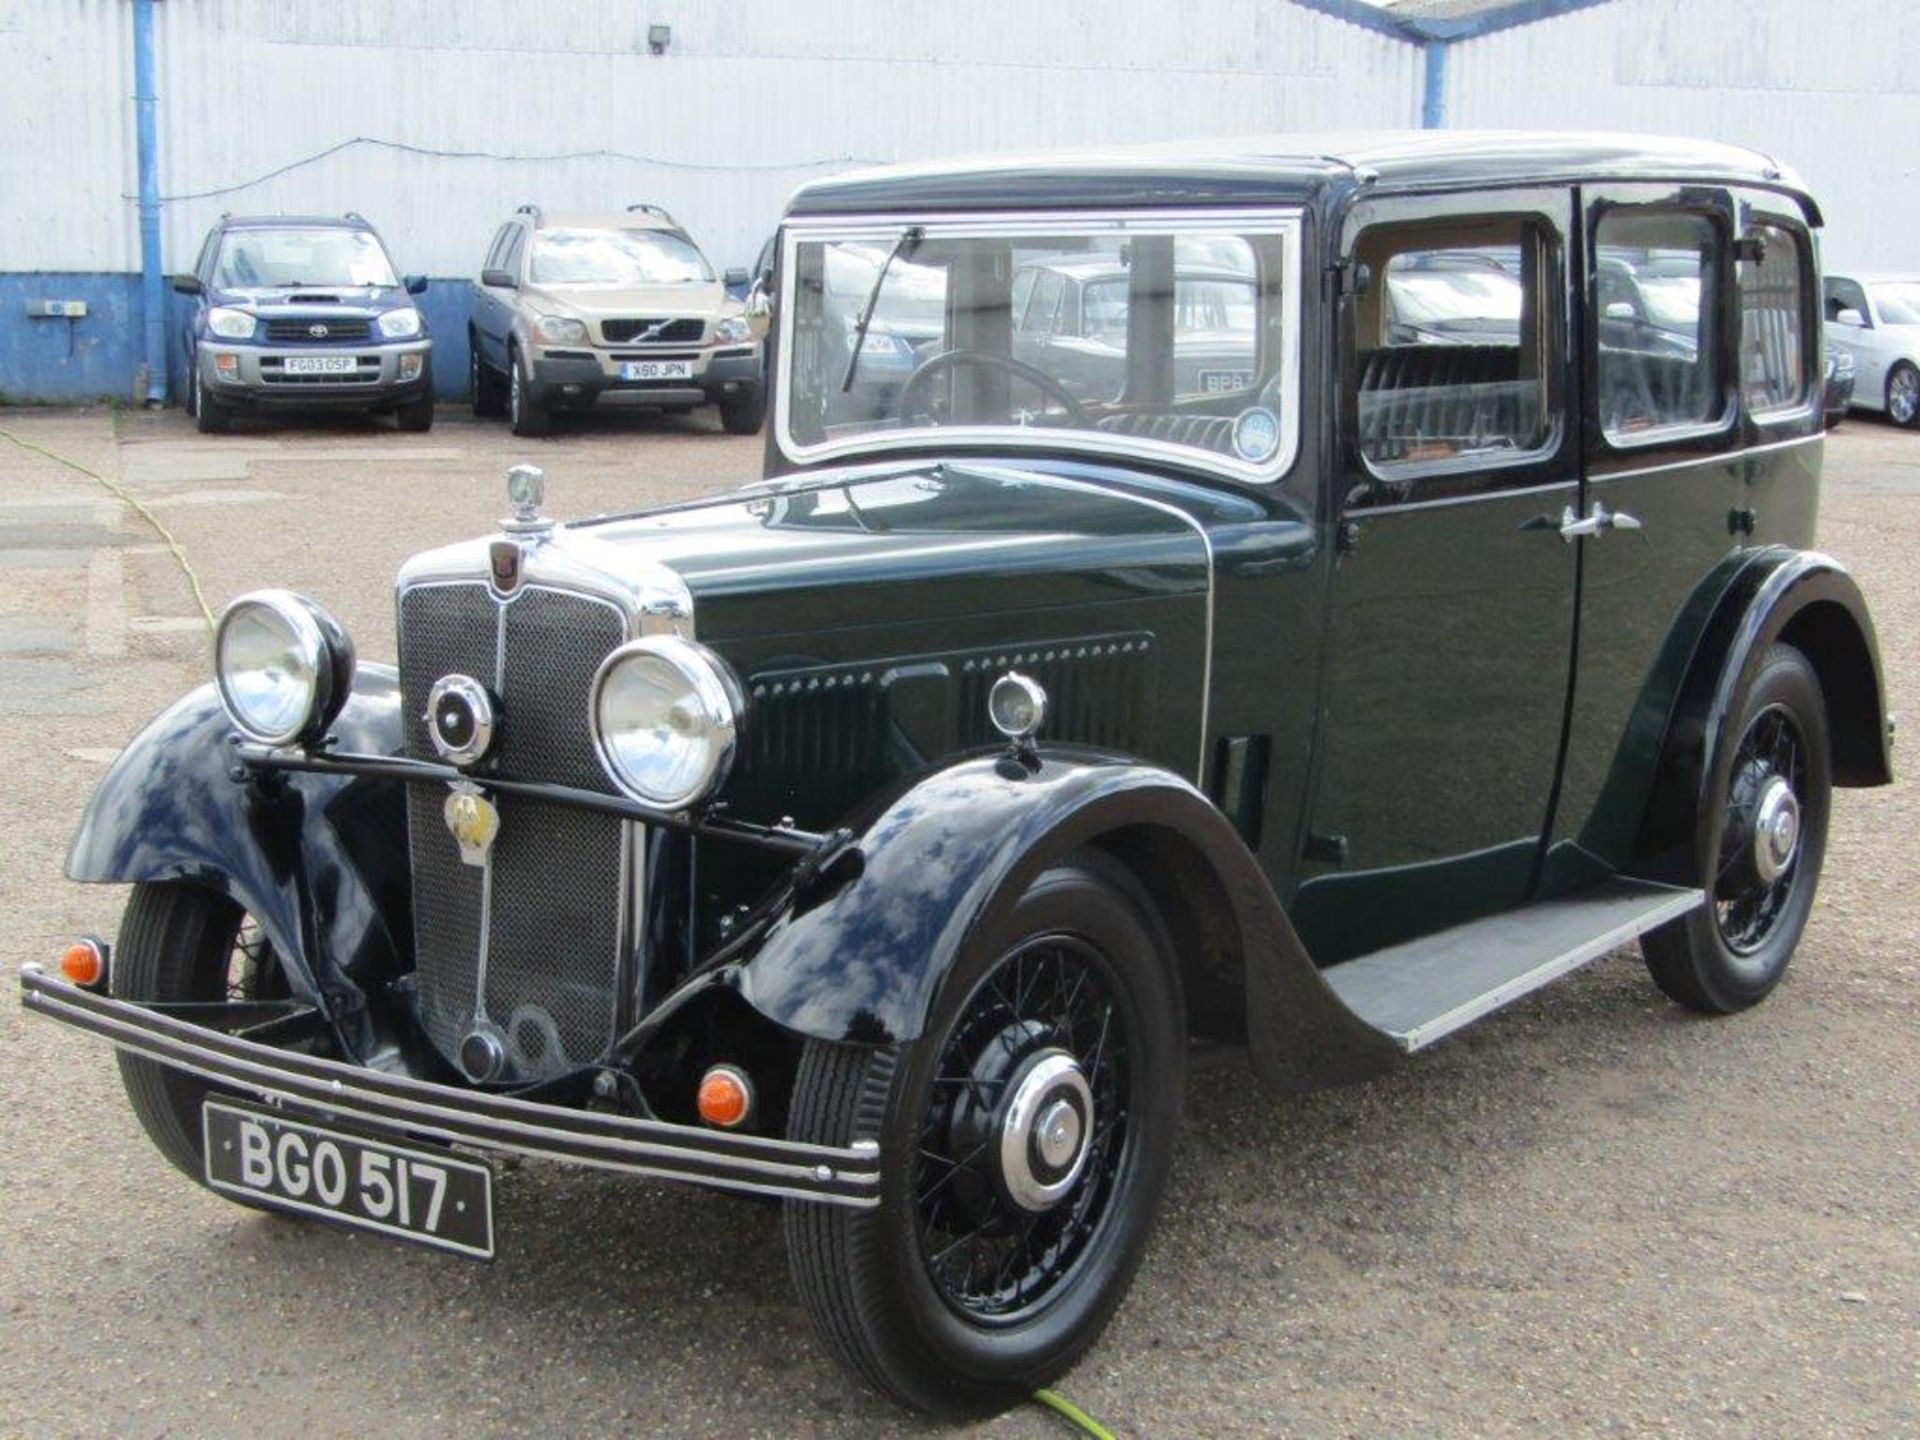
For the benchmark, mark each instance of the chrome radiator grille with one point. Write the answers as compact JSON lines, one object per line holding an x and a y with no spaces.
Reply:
{"x":529,"y":946}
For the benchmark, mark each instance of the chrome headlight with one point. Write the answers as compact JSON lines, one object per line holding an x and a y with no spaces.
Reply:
{"x":401,"y":324}
{"x":666,"y":716}
{"x":560,"y":330}
{"x":230,"y":324}
{"x":733,"y":330}
{"x":283,"y":665}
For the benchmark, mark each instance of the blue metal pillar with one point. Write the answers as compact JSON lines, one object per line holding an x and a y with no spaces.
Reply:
{"x":153,"y":290}
{"x":1433,"y":107}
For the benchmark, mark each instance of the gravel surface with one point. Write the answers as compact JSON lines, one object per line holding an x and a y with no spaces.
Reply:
{"x":1593,"y":1214}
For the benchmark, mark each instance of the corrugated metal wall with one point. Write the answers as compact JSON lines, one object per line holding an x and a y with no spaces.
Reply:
{"x":560,"y":102}
{"x":1831,"y":89}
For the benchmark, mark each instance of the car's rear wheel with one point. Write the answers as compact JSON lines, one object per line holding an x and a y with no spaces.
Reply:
{"x":209,"y":415}
{"x":744,"y":414}
{"x":525,"y":415}
{"x":1025,"y":1142}
{"x":181,"y":943}
{"x":1761,"y":838}
{"x":483,"y":385}
{"x":1903,"y":395}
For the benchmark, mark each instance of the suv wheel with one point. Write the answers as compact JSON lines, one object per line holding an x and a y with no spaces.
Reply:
{"x":743,"y":414}
{"x":416,"y":416}
{"x":209,"y":414}
{"x":483,"y":385}
{"x":525,"y":415}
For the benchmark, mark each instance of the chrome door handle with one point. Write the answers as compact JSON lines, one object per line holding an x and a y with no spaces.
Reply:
{"x":1595,"y":524}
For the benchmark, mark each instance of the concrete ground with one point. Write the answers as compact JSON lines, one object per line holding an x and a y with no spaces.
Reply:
{"x":1594,"y":1214}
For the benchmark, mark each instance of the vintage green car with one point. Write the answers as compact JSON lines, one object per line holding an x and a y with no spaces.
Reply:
{"x":878,"y":837}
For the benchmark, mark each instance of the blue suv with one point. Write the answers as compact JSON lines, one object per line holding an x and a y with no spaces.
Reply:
{"x":303,"y":311}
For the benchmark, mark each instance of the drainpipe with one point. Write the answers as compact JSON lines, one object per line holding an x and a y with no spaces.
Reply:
{"x":1433,"y":108}
{"x":153,"y":292}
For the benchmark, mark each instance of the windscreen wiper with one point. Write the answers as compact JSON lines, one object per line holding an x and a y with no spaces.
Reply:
{"x":908,"y":242}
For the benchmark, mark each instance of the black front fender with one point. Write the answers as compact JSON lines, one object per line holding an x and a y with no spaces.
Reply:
{"x":320,"y":861}
{"x":945,"y":860}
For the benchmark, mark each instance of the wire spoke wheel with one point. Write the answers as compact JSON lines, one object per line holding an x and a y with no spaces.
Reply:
{"x":1759,"y":858}
{"x":991,"y":1256}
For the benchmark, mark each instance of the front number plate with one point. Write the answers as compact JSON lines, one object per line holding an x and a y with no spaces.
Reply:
{"x":319,"y":364}
{"x":656,"y":370}
{"x":427,"y":1196}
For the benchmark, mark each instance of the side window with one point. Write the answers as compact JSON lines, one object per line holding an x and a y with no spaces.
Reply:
{"x":1037,"y":318}
{"x":1773,"y":372}
{"x":496,"y":252}
{"x":1457,"y":345}
{"x":516,"y":245}
{"x":1022,"y":288}
{"x":1657,"y":329}
{"x":1845,"y":295}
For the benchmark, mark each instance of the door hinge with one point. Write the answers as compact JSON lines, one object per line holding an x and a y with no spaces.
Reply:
{"x":1741,"y":520}
{"x":1325,"y":849}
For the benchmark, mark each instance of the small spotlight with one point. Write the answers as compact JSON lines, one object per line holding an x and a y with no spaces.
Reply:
{"x":1017,"y":706}
{"x":659,"y":37}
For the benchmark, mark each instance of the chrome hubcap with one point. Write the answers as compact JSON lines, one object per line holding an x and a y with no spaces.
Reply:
{"x":1776,"y":830}
{"x":1043,"y":1130}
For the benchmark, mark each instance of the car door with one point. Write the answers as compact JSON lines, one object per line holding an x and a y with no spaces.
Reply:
{"x":1858,"y":339}
{"x":492,"y":304}
{"x":1666,"y":503}
{"x":1450,"y":621}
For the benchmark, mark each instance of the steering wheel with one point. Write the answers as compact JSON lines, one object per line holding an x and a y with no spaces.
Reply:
{"x":918,"y":382}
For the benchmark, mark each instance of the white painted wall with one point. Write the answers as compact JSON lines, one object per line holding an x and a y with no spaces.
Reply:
{"x":754,"y":98}
{"x":1831,"y":89}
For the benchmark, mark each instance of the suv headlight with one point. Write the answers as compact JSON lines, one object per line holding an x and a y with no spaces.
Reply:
{"x":401,"y":324}
{"x":560,"y":330}
{"x":230,"y":324}
{"x":666,"y":717}
{"x":732,"y":331}
{"x":283,"y":665}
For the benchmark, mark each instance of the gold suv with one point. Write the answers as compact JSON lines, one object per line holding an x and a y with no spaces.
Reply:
{"x":571,"y":311}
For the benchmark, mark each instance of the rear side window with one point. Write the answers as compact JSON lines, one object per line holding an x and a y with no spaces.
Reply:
{"x":1456,"y":345}
{"x":1773,"y":372}
{"x":1655,"y":281}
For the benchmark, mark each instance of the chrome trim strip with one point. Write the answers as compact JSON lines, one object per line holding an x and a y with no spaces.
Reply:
{"x":1477,"y":497}
{"x":1285,"y":222}
{"x":1719,"y":457}
{"x":842,"y":1175}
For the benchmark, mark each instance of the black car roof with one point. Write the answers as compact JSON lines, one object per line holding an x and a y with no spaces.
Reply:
{"x":1289,"y":168}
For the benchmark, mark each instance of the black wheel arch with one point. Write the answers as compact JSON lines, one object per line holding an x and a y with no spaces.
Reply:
{"x":1795,"y":597}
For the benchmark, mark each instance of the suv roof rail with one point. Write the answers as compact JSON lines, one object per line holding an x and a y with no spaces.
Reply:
{"x":646,"y":209}
{"x":528,"y":209}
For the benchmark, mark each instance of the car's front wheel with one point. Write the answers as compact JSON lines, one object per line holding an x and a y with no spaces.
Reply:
{"x":1760,"y":838}
{"x":743,"y":414}
{"x":180,"y":943}
{"x":483,"y":384}
{"x":525,"y":415}
{"x":1903,"y":395}
{"x":1025,"y":1142}
{"x":209,"y":415}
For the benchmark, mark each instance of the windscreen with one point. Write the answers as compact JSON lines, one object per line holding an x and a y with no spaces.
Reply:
{"x":1130,"y":336}
{"x":616,"y":257}
{"x":288,"y":258}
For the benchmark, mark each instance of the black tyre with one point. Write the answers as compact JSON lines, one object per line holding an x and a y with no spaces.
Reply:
{"x":181,"y":943}
{"x":1761,"y":841}
{"x":525,"y":415}
{"x":484,"y":389}
{"x":416,"y":416}
{"x":209,"y":415}
{"x":744,"y":414}
{"x":1903,"y":395}
{"x":1025,"y":1139}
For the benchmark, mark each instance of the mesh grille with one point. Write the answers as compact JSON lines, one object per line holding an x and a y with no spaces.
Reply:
{"x":300,"y":332}
{"x":553,"y":933}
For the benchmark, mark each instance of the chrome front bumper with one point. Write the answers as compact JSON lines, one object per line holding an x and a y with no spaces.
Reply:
{"x":835,"y":1175}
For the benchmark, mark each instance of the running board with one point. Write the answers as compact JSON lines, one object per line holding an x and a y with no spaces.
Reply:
{"x":1423,"y":990}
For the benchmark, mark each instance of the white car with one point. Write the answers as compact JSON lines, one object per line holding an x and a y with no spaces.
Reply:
{"x":1876,"y":319}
